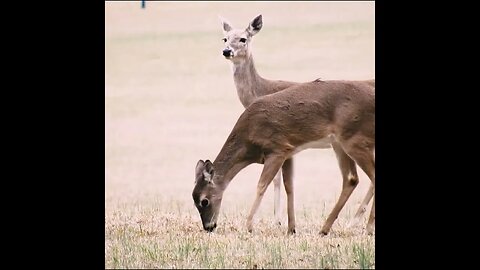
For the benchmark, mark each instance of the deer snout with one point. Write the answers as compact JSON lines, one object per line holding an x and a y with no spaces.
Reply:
{"x":227,"y":52}
{"x":209,"y":227}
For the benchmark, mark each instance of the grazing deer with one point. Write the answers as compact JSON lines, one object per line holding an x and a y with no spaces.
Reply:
{"x":275,"y":127}
{"x":250,"y":85}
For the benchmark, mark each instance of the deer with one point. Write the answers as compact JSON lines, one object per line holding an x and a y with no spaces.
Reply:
{"x":275,"y":127}
{"x":250,"y":86}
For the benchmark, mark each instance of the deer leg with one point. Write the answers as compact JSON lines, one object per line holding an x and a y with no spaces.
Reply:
{"x":364,"y":157}
{"x":363,"y":207}
{"x":287,"y":171}
{"x":371,"y":220}
{"x":271,"y":166}
{"x":277,"y":198}
{"x":350,"y":182}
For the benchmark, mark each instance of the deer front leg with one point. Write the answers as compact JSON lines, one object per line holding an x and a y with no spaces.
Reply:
{"x":350,"y":182}
{"x":277,"y":198}
{"x":271,"y":166}
{"x":287,"y":171}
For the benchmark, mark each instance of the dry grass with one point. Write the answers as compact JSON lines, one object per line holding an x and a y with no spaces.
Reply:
{"x":170,"y":101}
{"x":161,"y":238}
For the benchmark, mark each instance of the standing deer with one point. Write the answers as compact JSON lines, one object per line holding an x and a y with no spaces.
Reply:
{"x":275,"y":127}
{"x":250,"y":85}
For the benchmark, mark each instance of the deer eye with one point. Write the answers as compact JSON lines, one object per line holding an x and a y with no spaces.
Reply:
{"x":204,"y":202}
{"x":224,"y":39}
{"x":243,"y":40}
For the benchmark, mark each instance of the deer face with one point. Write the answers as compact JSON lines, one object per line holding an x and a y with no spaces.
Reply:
{"x":237,"y":41}
{"x":207,"y":197}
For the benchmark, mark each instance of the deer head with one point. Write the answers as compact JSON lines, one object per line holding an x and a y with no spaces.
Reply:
{"x":206,"y":195}
{"x":237,"y":41}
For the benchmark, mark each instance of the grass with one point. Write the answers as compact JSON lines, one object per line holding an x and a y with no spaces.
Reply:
{"x":170,"y":101}
{"x":153,"y":238}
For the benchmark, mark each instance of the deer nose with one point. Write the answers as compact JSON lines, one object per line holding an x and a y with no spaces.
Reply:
{"x":227,"y":52}
{"x":210,"y":227}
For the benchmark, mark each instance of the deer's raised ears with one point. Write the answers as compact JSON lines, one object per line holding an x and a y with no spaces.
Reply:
{"x":204,"y":171}
{"x":255,"y":25}
{"x":226,"y":26}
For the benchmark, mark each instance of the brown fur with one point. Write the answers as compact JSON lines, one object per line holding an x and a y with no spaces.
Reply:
{"x":273,"y":126}
{"x":250,"y":86}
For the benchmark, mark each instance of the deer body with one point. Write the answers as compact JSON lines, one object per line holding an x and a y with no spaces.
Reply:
{"x":250,"y":86}
{"x":275,"y":127}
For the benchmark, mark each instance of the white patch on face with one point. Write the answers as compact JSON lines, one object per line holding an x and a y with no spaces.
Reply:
{"x":233,"y":43}
{"x":208,"y":177}
{"x":202,"y":197}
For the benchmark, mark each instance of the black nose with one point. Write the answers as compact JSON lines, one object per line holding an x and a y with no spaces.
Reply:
{"x":227,"y":52}
{"x":211,"y":228}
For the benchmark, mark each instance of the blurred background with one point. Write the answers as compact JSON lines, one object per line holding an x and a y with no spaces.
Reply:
{"x":170,"y":99}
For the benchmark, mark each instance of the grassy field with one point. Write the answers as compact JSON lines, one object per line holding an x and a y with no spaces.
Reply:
{"x":170,"y":101}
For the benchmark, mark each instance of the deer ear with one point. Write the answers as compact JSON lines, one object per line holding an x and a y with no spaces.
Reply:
{"x":208,"y":171}
{"x":255,"y":25}
{"x":226,"y":26}
{"x":209,"y":166}
{"x":199,"y":168}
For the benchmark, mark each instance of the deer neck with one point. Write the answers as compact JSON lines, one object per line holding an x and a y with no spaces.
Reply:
{"x":247,"y":80}
{"x":229,"y":161}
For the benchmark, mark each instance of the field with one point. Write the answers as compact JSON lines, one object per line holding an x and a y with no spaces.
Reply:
{"x":170,"y":100}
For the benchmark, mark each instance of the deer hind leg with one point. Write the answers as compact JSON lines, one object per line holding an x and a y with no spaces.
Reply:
{"x":363,"y":207}
{"x":350,"y":182}
{"x":371,"y":220}
{"x":271,"y":166}
{"x":287,"y":171}
{"x":277,"y":198}
{"x":363,"y":155}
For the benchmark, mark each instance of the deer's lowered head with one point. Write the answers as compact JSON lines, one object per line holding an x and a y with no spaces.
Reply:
{"x":237,"y":41}
{"x":206,"y":195}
